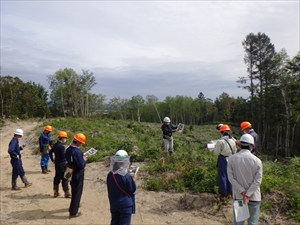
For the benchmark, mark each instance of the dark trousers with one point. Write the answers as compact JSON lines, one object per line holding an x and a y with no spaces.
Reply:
{"x":17,"y":168}
{"x":60,"y":169}
{"x":223,"y":182}
{"x":121,"y":217}
{"x":77,"y":187}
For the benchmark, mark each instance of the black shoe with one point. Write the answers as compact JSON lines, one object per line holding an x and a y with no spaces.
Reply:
{"x":74,"y":216}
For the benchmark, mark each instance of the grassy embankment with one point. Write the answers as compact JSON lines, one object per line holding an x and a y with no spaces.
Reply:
{"x":192,"y":168}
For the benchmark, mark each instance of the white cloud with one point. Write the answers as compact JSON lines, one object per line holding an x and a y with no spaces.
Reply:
{"x":147,"y":47}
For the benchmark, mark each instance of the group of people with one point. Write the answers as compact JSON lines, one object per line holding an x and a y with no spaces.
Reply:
{"x":72,"y":156}
{"x":120,"y":184}
{"x":239,"y":173}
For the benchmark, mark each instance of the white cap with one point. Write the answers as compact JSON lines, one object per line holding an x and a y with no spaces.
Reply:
{"x":18,"y":132}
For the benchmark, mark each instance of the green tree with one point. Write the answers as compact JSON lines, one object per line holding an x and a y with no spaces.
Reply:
{"x":10,"y":95}
{"x":137,"y":103}
{"x":152,"y":100}
{"x":34,"y":97}
{"x":70,"y":91}
{"x":225,"y":105}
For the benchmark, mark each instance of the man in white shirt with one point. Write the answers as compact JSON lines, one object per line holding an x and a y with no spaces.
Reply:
{"x":245,"y":174}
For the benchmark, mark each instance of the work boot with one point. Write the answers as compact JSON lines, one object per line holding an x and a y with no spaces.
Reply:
{"x":75,"y":215}
{"x":46,"y":168}
{"x":44,"y":171}
{"x":25,"y":181}
{"x":67,"y":192}
{"x":14,"y":186}
{"x":55,"y":190}
{"x":223,"y":198}
{"x":229,"y":195}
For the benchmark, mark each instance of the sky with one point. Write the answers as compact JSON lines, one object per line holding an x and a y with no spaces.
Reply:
{"x":161,"y":48}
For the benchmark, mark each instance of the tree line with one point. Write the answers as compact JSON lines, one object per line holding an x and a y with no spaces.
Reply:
{"x":273,"y":105}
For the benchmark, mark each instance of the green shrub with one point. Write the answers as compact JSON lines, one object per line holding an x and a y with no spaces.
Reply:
{"x":191,"y":168}
{"x":200,"y":179}
{"x":24,"y":116}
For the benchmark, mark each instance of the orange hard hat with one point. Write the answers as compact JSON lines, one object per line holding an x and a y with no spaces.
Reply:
{"x":48,"y":128}
{"x":224,"y":127}
{"x":80,"y":137}
{"x":62,"y":134}
{"x":244,"y":125}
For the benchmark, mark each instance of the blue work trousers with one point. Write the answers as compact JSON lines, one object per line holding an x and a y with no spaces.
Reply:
{"x":17,"y":168}
{"x":254,"y":210}
{"x":76,"y":190}
{"x":45,"y":159}
{"x":225,"y":186}
{"x":121,"y":217}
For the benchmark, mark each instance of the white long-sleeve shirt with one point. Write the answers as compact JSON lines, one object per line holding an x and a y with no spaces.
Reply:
{"x":245,"y":172}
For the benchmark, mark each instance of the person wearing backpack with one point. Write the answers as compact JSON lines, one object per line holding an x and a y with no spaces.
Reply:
{"x":225,"y":147}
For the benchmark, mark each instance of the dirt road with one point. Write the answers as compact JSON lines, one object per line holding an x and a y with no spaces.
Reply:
{"x":36,"y":205}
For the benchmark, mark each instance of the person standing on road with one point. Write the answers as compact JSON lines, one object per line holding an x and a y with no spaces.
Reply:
{"x":225,"y":147}
{"x":16,"y":161}
{"x":77,"y":161}
{"x":168,"y":129}
{"x":245,"y":173}
{"x":246,"y":127}
{"x":121,"y":189}
{"x":45,"y":145}
{"x":60,"y":164}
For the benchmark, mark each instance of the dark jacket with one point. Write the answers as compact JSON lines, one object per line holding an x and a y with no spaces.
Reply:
{"x":14,"y":148}
{"x":44,"y":139}
{"x":75,"y":159}
{"x":117,"y":199}
{"x":167,"y":129}
{"x":59,"y":152}
{"x":255,"y":137}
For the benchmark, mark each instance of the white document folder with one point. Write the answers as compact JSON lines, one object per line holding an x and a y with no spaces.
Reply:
{"x":241,"y":210}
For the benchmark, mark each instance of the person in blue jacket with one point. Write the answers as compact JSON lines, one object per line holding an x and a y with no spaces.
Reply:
{"x":16,"y":161}
{"x":77,"y":161}
{"x":121,"y":189}
{"x":45,"y":145}
{"x":168,"y":129}
{"x":60,"y":162}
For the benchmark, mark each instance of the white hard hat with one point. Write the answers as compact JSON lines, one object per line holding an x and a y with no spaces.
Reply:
{"x":121,"y":153}
{"x":247,"y":138}
{"x":167,"y":119}
{"x":18,"y":132}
